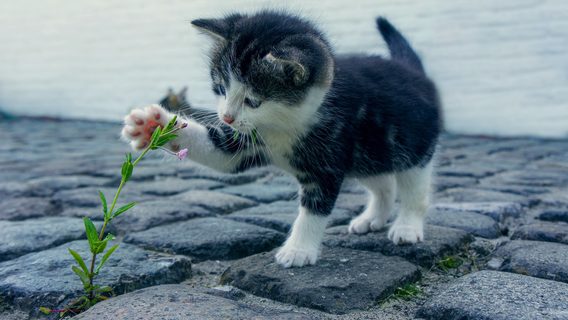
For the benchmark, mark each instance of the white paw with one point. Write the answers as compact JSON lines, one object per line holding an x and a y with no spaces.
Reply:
{"x":141,"y":123}
{"x":363,"y":224}
{"x":289,"y":256}
{"x":404,"y":232}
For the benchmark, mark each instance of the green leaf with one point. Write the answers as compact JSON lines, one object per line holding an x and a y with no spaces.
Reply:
{"x":101,"y":245}
{"x":104,"y":289}
{"x":155,"y":136}
{"x":104,"y":201}
{"x":170,"y":125}
{"x":127,"y":168}
{"x":165,"y":139}
{"x":45,"y":310}
{"x":123,"y":209}
{"x":235,"y":136}
{"x":82,"y":275}
{"x":79,"y":260}
{"x":105,"y":257}
{"x":91,"y":231}
{"x":124,"y":168}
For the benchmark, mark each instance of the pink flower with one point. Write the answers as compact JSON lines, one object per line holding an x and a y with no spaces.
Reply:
{"x":182,"y":154}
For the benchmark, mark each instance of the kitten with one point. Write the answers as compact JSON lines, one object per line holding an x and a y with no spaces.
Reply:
{"x":321,"y":117}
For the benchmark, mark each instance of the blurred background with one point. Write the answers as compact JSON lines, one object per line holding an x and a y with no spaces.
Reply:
{"x":501,"y":66}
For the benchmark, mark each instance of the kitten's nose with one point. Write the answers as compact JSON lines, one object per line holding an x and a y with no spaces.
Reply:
{"x":228,"y":119}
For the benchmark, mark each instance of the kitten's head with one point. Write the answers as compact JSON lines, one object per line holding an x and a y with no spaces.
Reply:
{"x":269,"y":70}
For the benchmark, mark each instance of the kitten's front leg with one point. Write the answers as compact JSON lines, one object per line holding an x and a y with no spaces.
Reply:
{"x":303,"y":245}
{"x":208,"y":145}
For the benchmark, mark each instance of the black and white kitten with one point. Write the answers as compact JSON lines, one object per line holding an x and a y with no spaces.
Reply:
{"x":322,"y":118}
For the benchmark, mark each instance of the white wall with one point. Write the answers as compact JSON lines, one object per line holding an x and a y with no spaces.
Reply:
{"x":502,"y":66}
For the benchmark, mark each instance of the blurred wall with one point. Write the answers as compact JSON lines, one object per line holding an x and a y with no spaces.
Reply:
{"x":502,"y":66}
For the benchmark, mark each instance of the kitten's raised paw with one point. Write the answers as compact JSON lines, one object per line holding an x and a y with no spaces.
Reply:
{"x":363,"y":224}
{"x":401,"y":233}
{"x":289,"y":256}
{"x":141,"y":123}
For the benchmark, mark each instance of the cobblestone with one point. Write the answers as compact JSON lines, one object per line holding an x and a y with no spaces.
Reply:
{"x":45,"y":278}
{"x":208,"y":238}
{"x":498,"y":295}
{"x":25,"y":208}
{"x":438,"y":242}
{"x":535,"y":258}
{"x":353,"y":279}
{"x":500,"y":204}
{"x":20,"y":237}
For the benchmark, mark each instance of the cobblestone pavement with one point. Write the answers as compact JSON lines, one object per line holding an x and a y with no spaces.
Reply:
{"x":200,"y":244}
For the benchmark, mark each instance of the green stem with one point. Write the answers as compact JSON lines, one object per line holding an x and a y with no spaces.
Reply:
{"x":111,"y":209}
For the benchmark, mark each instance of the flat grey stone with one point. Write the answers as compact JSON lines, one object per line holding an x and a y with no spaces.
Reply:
{"x":225,"y":291}
{"x":21,"y":237}
{"x":474,"y":223}
{"x":439,"y":242}
{"x":493,"y":295}
{"x":171,"y":186}
{"x":496,"y":210}
{"x":94,"y":213}
{"x":13,"y":189}
{"x":263,"y":192}
{"x":446,"y":182}
{"x":26,"y":208}
{"x":154,"y":213}
{"x":556,"y":199}
{"x":179,"y":302}
{"x":46,"y":186}
{"x":342,"y":280}
{"x":535,"y":178}
{"x":481,"y":195}
{"x":543,"y":231}
{"x":280,"y":215}
{"x":468,"y":171}
{"x":208,"y":238}
{"x":194,"y":171}
{"x":216,"y":202}
{"x":89,"y":197}
{"x":545,"y":260}
{"x":143,"y":172}
{"x":525,"y":191}
{"x":353,"y":202}
{"x":45,"y":278}
{"x":352,"y":186}
{"x":554,"y":215}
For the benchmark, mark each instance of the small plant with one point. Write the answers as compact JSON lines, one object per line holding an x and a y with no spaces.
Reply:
{"x":98,"y":240}
{"x":450,"y":262}
{"x":407,"y":292}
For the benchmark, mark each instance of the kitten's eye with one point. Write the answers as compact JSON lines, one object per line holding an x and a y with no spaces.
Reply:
{"x":252,"y":103}
{"x":219,"y":90}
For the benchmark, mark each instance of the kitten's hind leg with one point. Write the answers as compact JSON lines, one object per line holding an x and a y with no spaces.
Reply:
{"x":414,"y":194}
{"x":382,"y":194}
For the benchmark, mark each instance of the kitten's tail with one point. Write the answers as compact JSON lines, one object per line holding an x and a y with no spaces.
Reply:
{"x":399,"y":47}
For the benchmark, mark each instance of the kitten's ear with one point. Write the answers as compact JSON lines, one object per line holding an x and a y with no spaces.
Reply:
{"x":219,"y":29}
{"x":288,"y":64}
{"x":216,"y":28}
